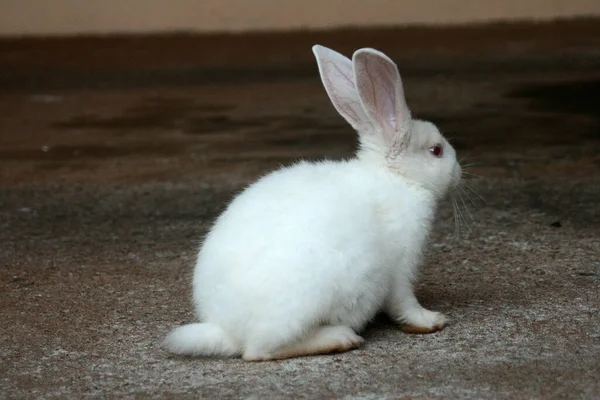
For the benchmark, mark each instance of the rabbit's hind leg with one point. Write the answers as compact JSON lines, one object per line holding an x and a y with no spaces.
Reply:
{"x":325,"y":339}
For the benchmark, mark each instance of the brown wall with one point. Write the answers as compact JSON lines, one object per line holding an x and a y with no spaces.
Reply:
{"x":109,"y":16}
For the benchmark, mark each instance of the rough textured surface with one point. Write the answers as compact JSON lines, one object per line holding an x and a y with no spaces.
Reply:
{"x":117,"y":153}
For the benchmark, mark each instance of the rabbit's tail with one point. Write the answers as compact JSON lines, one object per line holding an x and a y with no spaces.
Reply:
{"x":203,"y":339}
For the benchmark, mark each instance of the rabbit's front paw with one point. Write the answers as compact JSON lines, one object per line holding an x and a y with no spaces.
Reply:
{"x":423,"y":321}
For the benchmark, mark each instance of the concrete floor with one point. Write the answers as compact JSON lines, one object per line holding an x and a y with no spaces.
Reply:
{"x":117,"y":153}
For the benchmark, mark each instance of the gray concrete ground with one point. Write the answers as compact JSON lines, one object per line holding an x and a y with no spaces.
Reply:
{"x":117,"y":153}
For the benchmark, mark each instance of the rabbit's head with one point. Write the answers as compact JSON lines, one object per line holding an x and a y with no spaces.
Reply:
{"x":367,"y":91}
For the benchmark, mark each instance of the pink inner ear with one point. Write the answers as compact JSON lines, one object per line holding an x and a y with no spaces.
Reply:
{"x":337,"y":75}
{"x":339,"y":80}
{"x":381,"y":93}
{"x":382,"y":77}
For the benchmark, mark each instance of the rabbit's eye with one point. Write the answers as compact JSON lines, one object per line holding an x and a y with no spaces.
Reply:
{"x":436,"y":150}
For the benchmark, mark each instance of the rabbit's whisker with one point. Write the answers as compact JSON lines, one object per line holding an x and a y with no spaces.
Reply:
{"x":467,"y":195}
{"x":457,"y":208}
{"x":471,"y":188}
{"x":456,"y":220}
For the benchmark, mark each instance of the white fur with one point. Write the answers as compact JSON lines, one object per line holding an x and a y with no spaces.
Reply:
{"x":307,"y":255}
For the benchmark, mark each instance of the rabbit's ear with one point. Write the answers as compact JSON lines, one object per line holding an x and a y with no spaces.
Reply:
{"x":338,"y":78}
{"x":381,"y":93}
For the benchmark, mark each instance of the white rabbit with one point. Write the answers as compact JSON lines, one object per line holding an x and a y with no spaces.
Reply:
{"x":303,"y":258}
